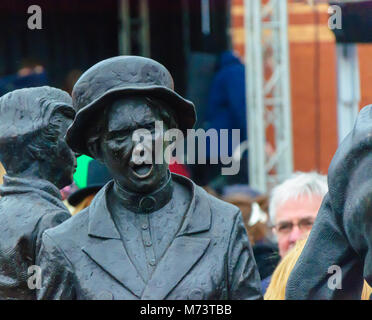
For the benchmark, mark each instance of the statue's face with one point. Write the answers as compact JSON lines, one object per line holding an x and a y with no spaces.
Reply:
{"x":117,"y":145}
{"x":62,"y":162}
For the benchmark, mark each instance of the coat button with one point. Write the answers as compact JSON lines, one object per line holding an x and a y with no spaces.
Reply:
{"x":148,"y":243}
{"x":196,"y":294}
{"x":152,"y":262}
{"x":147,"y":204}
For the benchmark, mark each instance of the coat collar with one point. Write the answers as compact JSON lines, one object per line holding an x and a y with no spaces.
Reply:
{"x":140,"y":203}
{"x":197,"y":218}
{"x":45,"y":189}
{"x":101,"y":224}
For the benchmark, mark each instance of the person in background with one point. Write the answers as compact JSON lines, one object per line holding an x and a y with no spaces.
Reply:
{"x":254,"y":208}
{"x":276,"y":289}
{"x":31,"y":73}
{"x":293,"y":207}
{"x":69,"y":82}
{"x":226,"y":110}
{"x":98,"y":176}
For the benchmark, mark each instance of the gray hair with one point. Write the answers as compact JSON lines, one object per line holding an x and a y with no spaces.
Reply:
{"x":298,"y":185}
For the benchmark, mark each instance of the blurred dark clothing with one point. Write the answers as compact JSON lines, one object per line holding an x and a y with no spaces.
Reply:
{"x":240,"y":189}
{"x":341,"y":235}
{"x":201,"y":70}
{"x":227,"y":110}
{"x":227,"y":102}
{"x":267,"y":257}
{"x":13,"y":82}
{"x":27,"y":208}
{"x":265,"y":284}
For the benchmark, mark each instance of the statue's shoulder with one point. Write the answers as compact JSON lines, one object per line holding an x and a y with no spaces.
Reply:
{"x":73,"y":230}
{"x":349,"y":174}
{"x":224,"y":215}
{"x":218,"y":206}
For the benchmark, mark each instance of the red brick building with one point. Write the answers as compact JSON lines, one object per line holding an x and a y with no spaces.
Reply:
{"x":313,"y":80}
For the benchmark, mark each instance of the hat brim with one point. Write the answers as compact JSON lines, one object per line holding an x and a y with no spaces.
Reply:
{"x":78,"y":196}
{"x":184,"y":110}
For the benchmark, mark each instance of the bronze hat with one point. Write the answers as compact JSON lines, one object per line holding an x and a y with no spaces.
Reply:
{"x":116,"y":77}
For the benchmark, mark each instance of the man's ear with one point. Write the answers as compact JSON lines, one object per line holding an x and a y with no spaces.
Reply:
{"x":93,"y":145}
{"x":37,"y":152}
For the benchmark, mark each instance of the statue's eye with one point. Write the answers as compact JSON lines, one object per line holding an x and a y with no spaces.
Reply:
{"x":120,"y":139}
{"x":117,"y":139}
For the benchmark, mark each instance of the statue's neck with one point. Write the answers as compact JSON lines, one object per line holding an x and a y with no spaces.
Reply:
{"x":145,"y":202}
{"x":34,"y":171}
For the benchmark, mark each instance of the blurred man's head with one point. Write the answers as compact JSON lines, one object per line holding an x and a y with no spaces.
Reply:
{"x":294,"y":205}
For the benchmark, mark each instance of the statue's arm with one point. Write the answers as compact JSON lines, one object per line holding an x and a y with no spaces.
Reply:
{"x":243,"y":278}
{"x":328,"y":267}
{"x":357,"y":217}
{"x":57,"y":281}
{"x":341,"y":235}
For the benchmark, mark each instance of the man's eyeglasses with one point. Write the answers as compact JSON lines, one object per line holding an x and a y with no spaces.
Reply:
{"x":286,"y":227}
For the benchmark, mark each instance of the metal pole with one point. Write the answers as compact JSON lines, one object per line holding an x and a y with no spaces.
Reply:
{"x":145,"y":28}
{"x":268,"y":91}
{"x":254,"y":85}
{"x":286,"y":167}
{"x":124,"y":31}
{"x":348,"y":87}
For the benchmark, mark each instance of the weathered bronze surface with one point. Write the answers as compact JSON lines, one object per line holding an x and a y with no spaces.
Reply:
{"x":147,"y":234}
{"x":338,"y":253}
{"x":38,"y":162}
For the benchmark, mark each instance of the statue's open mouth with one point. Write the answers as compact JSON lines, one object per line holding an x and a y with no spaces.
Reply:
{"x":142,"y":171}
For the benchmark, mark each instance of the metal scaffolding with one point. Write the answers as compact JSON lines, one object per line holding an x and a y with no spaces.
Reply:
{"x":268,"y":92}
{"x":348,"y":88}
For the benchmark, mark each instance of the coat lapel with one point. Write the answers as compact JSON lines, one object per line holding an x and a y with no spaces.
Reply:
{"x":180,"y":257}
{"x":111,"y":256}
{"x":185,"y":250}
{"x":106,"y":248}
